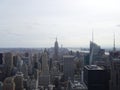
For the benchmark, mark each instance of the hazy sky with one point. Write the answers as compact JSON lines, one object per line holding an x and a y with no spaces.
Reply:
{"x":36,"y":23}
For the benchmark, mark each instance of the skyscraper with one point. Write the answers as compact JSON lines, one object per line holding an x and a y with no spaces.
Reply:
{"x":15,"y":60}
{"x":19,"y":81}
{"x":44,"y":78}
{"x":115,"y":75}
{"x":68,"y":67}
{"x":8,"y":61}
{"x":94,"y":50}
{"x":2,"y":72}
{"x":56,"y":50}
{"x":9,"y":84}
{"x":45,"y":67}
{"x":1,"y":58}
{"x":24,"y":70}
{"x":96,"y":78}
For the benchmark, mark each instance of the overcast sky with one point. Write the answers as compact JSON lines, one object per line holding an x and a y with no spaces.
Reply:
{"x":36,"y":23}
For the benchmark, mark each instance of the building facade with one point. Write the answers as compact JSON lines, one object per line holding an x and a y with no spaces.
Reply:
{"x":115,"y":75}
{"x":44,"y":78}
{"x":96,"y":78}
{"x":56,"y":51}
{"x":19,"y":81}
{"x":9,"y":84}
{"x":68,"y":67}
{"x":8,"y":61}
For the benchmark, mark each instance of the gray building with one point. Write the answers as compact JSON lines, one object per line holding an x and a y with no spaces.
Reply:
{"x":18,"y":79}
{"x":9,"y":84}
{"x":115,"y":75}
{"x":94,"y":50}
{"x":44,"y":78}
{"x":56,"y":51}
{"x":8,"y":61}
{"x":68,"y":67}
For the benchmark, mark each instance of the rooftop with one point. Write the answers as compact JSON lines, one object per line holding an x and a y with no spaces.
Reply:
{"x":93,"y":67}
{"x":68,"y":56}
{"x":78,"y":85}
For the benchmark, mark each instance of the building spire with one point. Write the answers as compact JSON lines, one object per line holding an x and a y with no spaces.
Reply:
{"x":92,"y":35}
{"x":91,"y":54}
{"x":56,"y":50}
{"x":92,"y":48}
{"x":56,"y":38}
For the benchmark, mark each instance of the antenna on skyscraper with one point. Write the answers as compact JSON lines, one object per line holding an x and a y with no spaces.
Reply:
{"x":56,"y":38}
{"x":92,"y":35}
{"x":92,"y":48}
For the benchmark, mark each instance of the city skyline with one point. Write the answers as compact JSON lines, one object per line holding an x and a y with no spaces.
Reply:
{"x":36,"y":23}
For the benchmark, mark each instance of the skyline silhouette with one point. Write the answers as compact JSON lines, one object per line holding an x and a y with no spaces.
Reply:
{"x":35,"y":23}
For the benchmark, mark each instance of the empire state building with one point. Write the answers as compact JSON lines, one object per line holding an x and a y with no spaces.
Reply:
{"x":56,"y":50}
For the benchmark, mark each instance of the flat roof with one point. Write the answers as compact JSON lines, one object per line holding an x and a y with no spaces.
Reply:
{"x":68,"y":56}
{"x":93,"y":67}
{"x":78,"y":85}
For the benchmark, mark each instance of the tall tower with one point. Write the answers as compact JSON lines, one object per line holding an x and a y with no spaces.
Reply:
{"x":68,"y":62}
{"x":91,"y":48}
{"x":94,"y":50}
{"x":115,"y":75}
{"x":8,"y":61}
{"x":24,"y":70}
{"x":45,"y":68}
{"x":9,"y":84}
{"x":56,"y":50}
{"x":44,"y":78}
{"x":114,"y":49}
{"x":1,"y":58}
{"x":96,"y":78}
{"x":19,"y":81}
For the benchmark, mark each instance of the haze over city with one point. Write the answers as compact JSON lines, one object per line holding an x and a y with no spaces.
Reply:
{"x":36,"y":23}
{"x":59,"y":44}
